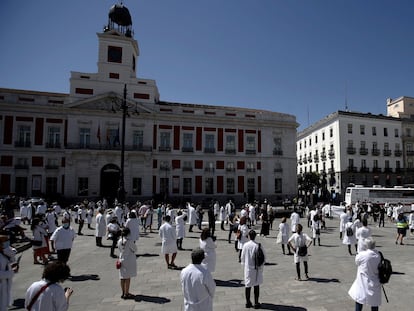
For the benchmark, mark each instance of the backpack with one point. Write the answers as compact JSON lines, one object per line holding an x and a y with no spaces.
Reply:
{"x":384,"y":269}
{"x":316,"y":217}
{"x":259,"y":258}
{"x":349,"y":231}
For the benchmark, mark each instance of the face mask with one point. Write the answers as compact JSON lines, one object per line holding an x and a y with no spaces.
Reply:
{"x":65,"y":225}
{"x":5,"y":244}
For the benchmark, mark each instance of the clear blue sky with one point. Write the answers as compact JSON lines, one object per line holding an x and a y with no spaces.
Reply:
{"x":302,"y":57}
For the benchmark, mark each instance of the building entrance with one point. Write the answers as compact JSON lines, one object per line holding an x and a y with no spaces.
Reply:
{"x":110,"y":175}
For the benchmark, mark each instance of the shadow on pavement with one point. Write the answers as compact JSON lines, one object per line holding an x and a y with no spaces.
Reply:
{"x":229,"y":283}
{"x":84,"y":277}
{"x":147,"y":255}
{"x":321,"y":280}
{"x":153,"y":299}
{"x":270,"y":306}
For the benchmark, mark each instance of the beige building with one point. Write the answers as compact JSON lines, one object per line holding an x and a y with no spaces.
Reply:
{"x":70,"y":145}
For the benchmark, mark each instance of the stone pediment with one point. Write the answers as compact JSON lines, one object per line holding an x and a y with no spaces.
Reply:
{"x":109,"y":101}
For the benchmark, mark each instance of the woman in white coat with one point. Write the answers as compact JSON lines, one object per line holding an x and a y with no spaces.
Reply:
{"x":192,"y":216}
{"x":300,"y":242}
{"x":207,"y":244}
{"x":350,"y":235}
{"x":283,"y":235}
{"x":128,"y":259}
{"x":100,"y":227}
{"x":180,"y":228}
{"x":7,"y":269}
{"x":366,"y":289}
{"x":242,"y":235}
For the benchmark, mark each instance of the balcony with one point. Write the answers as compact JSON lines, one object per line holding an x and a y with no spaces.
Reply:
{"x":364,"y":170}
{"x":300,"y":162}
{"x":277,"y":152}
{"x":22,"y":143}
{"x":230,"y":169}
{"x":209,"y":169}
{"x":250,"y":170}
{"x":209,"y":150}
{"x":250,"y":151}
{"x":331,"y":154}
{"x":388,"y":170}
{"x":187,"y":149}
{"x":164,"y":148}
{"x":230,"y":151}
{"x":409,"y":152}
{"x":187,"y":169}
{"x":386,"y":152}
{"x":363,"y":151}
{"x":398,"y":153}
{"x":278,"y":170}
{"x":310,"y":159}
{"x":398,"y":170}
{"x":108,"y":147}
{"x":376,"y":170}
{"x":51,"y":167}
{"x":375,"y":152}
{"x":352,"y":169}
{"x":305,"y":160}
{"x":53,"y":145}
{"x":316,"y":158}
{"x":21,"y":166}
{"x":164,"y":168}
{"x":331,"y":171}
{"x":351,"y":150}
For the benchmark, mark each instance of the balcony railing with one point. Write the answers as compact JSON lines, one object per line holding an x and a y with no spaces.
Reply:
{"x":376,"y":170}
{"x":230,"y":151}
{"x":388,"y":170}
{"x":230,"y":169}
{"x":352,"y":169}
{"x":331,"y":154}
{"x":305,"y":160}
{"x":409,"y":152}
{"x":316,"y":158}
{"x":363,"y":151}
{"x":209,"y":169}
{"x":278,"y":170}
{"x":375,"y":152}
{"x":164,"y":148}
{"x":398,"y":153}
{"x":277,"y":152}
{"x":209,"y":150}
{"x":187,"y":169}
{"x":364,"y":170}
{"x":187,"y":149}
{"x":54,"y":145}
{"x":250,"y":151}
{"x":51,"y":167}
{"x":351,"y":150}
{"x":386,"y":152}
{"x":250,"y":170}
{"x":108,"y":147}
{"x":21,"y":166}
{"x":164,"y":168}
{"x":22,"y":143}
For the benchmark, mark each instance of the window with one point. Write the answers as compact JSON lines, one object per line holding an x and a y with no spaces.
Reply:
{"x":84,"y":137}
{"x":398,"y":164}
{"x":374,"y":145}
{"x":53,"y":137}
{"x":165,"y":141}
{"x":409,"y":147}
{"x":114,"y":54}
{"x":187,"y":166}
{"x":408,"y":132}
{"x":397,"y":146}
{"x":21,"y":186}
{"x":362,"y":129}
{"x":385,"y":132}
{"x":250,"y":185}
{"x":350,"y":163}
{"x":396,"y":133}
{"x":187,"y":183}
{"x":349,"y":128}
{"x":316,"y":139}
{"x":188,"y":141}
{"x":230,"y":143}
{"x":209,"y":184}
{"x":251,"y":143}
{"x":209,"y":167}
{"x":164,"y":186}
{"x":363,"y":163}
{"x":331,"y":132}
{"x":164,"y":165}
{"x":278,"y":185}
{"x":112,"y":137}
{"x":375,"y":163}
{"x":83,"y":186}
{"x":350,"y":143}
{"x":251,"y":167}
{"x":209,"y":143}
{"x":277,"y":149}
{"x":323,"y":135}
{"x":230,"y":185}
{"x":362,"y":144}
{"x":230,"y":167}
{"x":387,"y":164}
{"x":386,"y":146}
{"x":22,"y":163}
{"x":51,"y":185}
{"x":310,"y":141}
{"x":374,"y":131}
{"x":136,"y":186}
{"x":24,"y":136}
{"x":52,"y":163}
{"x":138,"y":139}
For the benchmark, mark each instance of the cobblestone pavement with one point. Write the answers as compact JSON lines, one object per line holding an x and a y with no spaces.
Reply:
{"x":332,"y":270}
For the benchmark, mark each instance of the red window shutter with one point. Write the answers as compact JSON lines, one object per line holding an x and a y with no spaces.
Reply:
{"x":175,"y":164}
{"x":39,"y":131}
{"x":37,"y":161}
{"x":220,"y":165}
{"x":63,"y":162}
{"x":220,"y":184}
{"x":259,"y":141}
{"x":259,"y":165}
{"x":220,"y":140}
{"x":199,"y":184}
{"x":241,"y":141}
{"x":198,"y":164}
{"x":176,"y":138}
{"x":259,"y":184}
{"x":199,"y":141}
{"x":8,"y":130}
{"x":240,"y":165}
{"x":154,"y":163}
{"x":240,"y":184}
{"x":6,"y":161}
{"x":154,"y":137}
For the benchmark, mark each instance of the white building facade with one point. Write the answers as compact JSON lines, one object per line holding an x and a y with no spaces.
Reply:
{"x":69,"y":145}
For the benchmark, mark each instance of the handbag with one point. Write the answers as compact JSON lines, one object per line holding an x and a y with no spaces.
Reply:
{"x":302,"y":250}
{"x":118,"y":264}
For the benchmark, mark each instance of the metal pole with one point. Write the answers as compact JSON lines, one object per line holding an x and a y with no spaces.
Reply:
{"x":121,"y":194}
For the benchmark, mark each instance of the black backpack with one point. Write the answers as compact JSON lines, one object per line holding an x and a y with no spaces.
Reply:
{"x":259,"y":258}
{"x":349,"y":231}
{"x":384,"y":270}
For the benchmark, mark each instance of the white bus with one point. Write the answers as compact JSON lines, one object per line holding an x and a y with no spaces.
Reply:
{"x":381,"y":195}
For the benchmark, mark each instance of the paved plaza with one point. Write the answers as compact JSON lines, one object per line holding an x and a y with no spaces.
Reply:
{"x":331,"y":269}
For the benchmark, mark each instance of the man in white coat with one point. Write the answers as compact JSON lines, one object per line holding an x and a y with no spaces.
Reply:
{"x":253,"y":276}
{"x":168,"y":242}
{"x":192,"y":216}
{"x":366,"y":289}
{"x":294,"y":220}
{"x":197,"y":284}
{"x":100,"y":227}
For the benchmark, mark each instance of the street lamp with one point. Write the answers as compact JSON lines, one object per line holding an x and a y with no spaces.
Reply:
{"x":121,"y":189}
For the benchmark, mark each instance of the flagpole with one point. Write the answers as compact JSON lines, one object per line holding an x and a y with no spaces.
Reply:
{"x":121,"y":190}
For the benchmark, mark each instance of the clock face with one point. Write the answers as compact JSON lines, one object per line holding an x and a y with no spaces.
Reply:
{"x":114,"y":54}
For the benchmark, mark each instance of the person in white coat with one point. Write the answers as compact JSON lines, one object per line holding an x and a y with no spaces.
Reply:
{"x":283,"y":236}
{"x":300,"y":242}
{"x":343,"y":219}
{"x":350,"y":235}
{"x":132,"y":223}
{"x":294,"y":220}
{"x":209,"y":246}
{"x":242,"y":234}
{"x":363,"y":232}
{"x":192,"y":216}
{"x":128,"y":259}
{"x":180,"y":228}
{"x":223,"y":217}
{"x":197,"y":284}
{"x":168,"y":242}
{"x":100,"y":227}
{"x":8,"y":267}
{"x":366,"y":289}
{"x":253,"y":275}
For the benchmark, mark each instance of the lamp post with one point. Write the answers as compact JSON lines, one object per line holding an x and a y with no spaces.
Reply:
{"x":121,"y":190}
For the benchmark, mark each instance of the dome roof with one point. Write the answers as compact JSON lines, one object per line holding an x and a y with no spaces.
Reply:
{"x":119,"y":14}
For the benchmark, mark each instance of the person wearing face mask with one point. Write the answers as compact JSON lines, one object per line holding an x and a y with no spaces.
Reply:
{"x":8,"y":267}
{"x":62,"y":240}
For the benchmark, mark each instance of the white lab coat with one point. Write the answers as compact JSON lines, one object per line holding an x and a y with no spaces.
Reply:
{"x":252,"y":276}
{"x":362,"y":233}
{"x":349,"y":240}
{"x":198,"y":288}
{"x":244,"y":232}
{"x":366,"y":288}
{"x":294,"y":220}
{"x":284,"y":231}
{"x":53,"y":297}
{"x":192,"y":215}
{"x":6,"y":277}
{"x":100,"y":226}
{"x":127,"y":250}
{"x":133,"y":225}
{"x":209,"y":248}
{"x":180,"y":226}
{"x":301,"y":239}
{"x":168,"y":239}
{"x":343,"y":218}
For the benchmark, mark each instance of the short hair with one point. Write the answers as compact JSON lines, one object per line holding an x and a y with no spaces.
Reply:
{"x":283,"y":219}
{"x":56,"y":272}
{"x":197,"y":256}
{"x":125,"y":232}
{"x":364,"y":222}
{"x":243,"y":220}
{"x":367,"y":243}
{"x":167,"y":218}
{"x":252,"y":235}
{"x":205,"y":233}
{"x":132,"y":214}
{"x":299,"y":228}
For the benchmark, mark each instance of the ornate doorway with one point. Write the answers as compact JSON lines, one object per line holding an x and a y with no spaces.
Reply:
{"x":110,"y":175}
